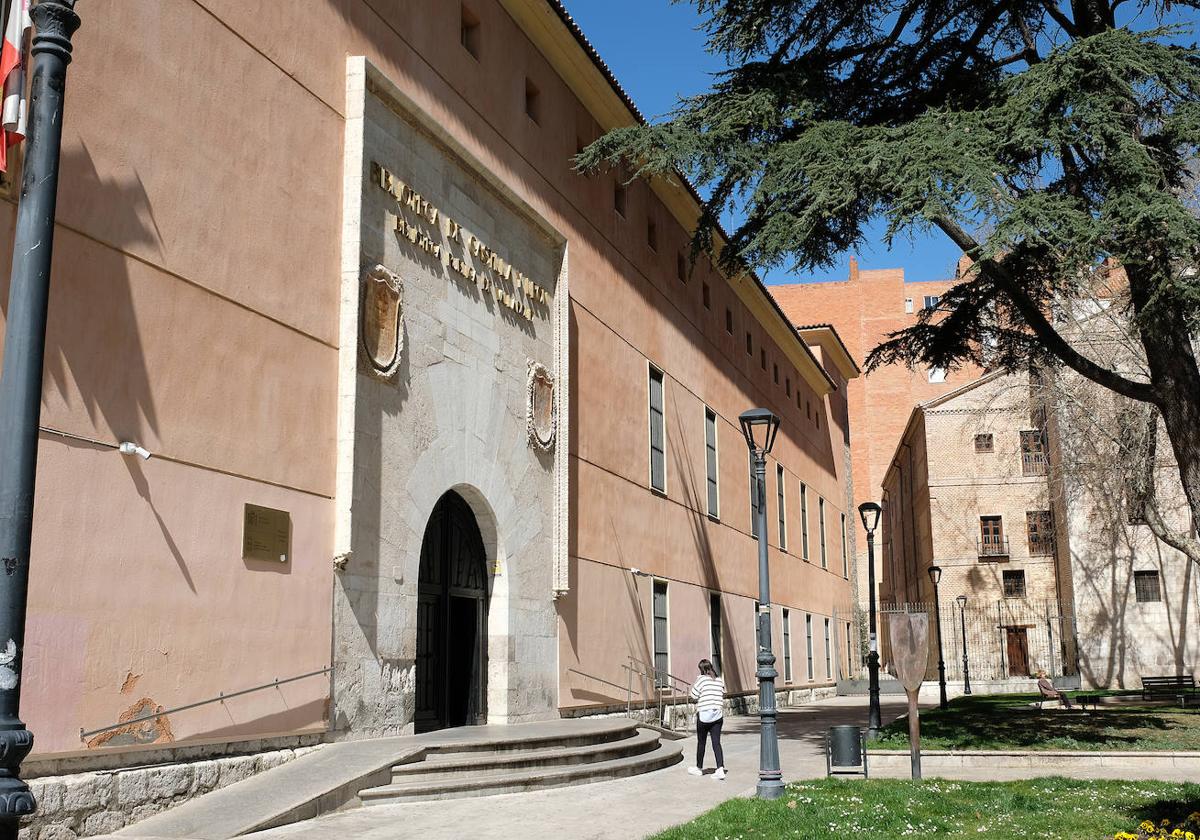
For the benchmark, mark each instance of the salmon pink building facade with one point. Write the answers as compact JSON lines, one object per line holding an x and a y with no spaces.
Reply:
{"x":442,"y":431}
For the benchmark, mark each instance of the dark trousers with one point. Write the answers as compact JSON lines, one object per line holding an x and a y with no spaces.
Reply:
{"x":709,"y":730}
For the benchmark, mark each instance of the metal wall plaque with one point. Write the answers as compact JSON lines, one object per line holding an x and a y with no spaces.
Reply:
{"x":266,"y":534}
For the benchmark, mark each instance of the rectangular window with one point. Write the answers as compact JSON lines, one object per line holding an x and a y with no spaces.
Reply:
{"x":991,"y":537}
{"x":787,"y":385}
{"x":1040,"y":526}
{"x":782,"y":507}
{"x":729,"y":321}
{"x":775,"y":373}
{"x":908,"y":305}
{"x":1033,"y":453}
{"x":845,"y":552}
{"x":469,"y":32}
{"x":1146,"y":587}
{"x":787,"y":646}
{"x":661,"y":633}
{"x":706,"y":295}
{"x":821,"y":531}
{"x":681,"y":267}
{"x":809,"y":644}
{"x":803,"y":521}
{"x":931,"y":301}
{"x":620,"y":198}
{"x":828,"y":654}
{"x":714,"y":629}
{"x":1014,"y":583}
{"x":533,"y":101}
{"x":652,"y":234}
{"x":762,"y":359}
{"x":984,"y":443}
{"x":710,"y":463}
{"x":658,"y":434}
{"x":753,"y":500}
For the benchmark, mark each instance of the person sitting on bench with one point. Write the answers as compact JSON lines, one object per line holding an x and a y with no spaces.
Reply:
{"x":1049,"y":692}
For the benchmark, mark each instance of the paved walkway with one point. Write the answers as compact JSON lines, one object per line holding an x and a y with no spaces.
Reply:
{"x":624,"y":809}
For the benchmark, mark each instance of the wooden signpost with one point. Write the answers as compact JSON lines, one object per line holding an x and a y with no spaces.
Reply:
{"x":909,"y":634}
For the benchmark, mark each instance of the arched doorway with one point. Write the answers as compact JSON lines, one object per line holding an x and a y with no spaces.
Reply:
{"x":451,"y":619}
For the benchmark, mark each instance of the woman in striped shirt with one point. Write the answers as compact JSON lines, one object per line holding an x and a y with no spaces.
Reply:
{"x":709,"y":693}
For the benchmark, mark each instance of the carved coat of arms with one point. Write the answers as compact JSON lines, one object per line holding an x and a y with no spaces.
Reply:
{"x":541,"y":416}
{"x":382,"y":321}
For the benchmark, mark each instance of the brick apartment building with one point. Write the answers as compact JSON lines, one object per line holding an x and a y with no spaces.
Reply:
{"x":865,"y":309}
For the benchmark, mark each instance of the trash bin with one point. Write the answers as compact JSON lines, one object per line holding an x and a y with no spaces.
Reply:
{"x":845,"y":752}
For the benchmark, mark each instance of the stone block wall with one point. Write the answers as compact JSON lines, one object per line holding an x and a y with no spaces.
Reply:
{"x":90,"y":804}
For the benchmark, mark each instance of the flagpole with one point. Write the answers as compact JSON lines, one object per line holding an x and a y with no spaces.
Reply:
{"x":21,"y":383}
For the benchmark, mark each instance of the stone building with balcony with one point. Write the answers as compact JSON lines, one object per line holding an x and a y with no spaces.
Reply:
{"x":969,"y":491}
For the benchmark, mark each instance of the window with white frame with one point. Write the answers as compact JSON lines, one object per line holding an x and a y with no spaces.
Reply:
{"x":937,"y":374}
{"x":808,"y":642}
{"x":803,"y":521}
{"x":787,"y":645}
{"x":662,"y":664}
{"x":781,"y":503}
{"x":658,"y":433}
{"x":821,"y":530}
{"x":710,"y":463}
{"x":828,"y":654}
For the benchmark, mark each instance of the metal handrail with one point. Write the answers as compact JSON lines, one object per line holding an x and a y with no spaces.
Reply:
{"x":220,"y":698}
{"x":594,"y":677}
{"x":654,"y":671}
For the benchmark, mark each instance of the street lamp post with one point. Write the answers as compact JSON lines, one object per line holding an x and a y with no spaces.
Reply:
{"x":760,"y":426}
{"x":21,"y":382}
{"x":962,"y":611}
{"x":869,"y":513}
{"x":935,"y":575}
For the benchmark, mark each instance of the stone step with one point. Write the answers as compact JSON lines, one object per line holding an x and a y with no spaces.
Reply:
{"x":464,"y":784}
{"x":448,"y":764}
{"x":597,"y":731}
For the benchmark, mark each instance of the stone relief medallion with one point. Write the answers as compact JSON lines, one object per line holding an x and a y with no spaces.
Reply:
{"x":541,"y":417}
{"x":382,"y":321}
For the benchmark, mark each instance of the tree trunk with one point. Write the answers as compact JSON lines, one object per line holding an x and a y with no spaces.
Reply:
{"x":1174,"y":374}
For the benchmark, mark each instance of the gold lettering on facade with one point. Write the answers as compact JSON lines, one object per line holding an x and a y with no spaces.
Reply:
{"x":525,"y":291}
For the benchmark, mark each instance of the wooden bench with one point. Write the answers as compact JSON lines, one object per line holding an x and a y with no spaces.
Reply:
{"x":1177,"y":686}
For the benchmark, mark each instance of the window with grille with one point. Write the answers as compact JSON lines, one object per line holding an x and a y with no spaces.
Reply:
{"x":787,"y":645}
{"x":714,"y":629}
{"x":803,"y":521}
{"x":984,"y":443}
{"x":753,"y":500}
{"x":1014,"y":583}
{"x":661,"y":633}
{"x":845,"y":552}
{"x":658,"y":434}
{"x":828,"y":653}
{"x":809,"y":644}
{"x":821,"y":530}
{"x":781,"y":506}
{"x":1040,"y":525}
{"x":1033,"y":453}
{"x":1146,"y":587}
{"x":710,"y":463}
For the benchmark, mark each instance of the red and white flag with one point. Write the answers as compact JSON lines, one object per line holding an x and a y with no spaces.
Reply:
{"x":12,"y":71}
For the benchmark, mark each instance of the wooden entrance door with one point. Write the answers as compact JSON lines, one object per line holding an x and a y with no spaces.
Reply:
{"x":451,"y":619}
{"x":1018,"y":651}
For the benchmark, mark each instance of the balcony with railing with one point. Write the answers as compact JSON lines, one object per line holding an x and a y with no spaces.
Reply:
{"x":1034,"y":463}
{"x":993,"y":548}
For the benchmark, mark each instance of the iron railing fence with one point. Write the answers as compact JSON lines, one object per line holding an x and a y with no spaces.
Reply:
{"x":1008,"y":638}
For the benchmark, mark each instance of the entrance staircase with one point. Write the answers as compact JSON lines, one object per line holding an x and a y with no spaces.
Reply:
{"x":468,"y":761}
{"x":525,"y":762}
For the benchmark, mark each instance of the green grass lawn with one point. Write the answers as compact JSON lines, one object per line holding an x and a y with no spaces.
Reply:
{"x":1006,"y":721}
{"x":1047,"y":809}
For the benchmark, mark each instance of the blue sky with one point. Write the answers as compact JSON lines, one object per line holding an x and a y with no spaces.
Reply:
{"x":657,"y":53}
